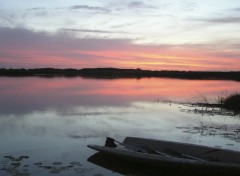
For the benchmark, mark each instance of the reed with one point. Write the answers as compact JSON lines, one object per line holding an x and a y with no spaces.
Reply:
{"x":226,"y":101}
{"x":231,"y":102}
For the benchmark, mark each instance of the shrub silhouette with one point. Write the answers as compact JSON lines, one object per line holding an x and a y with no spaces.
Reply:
{"x":232,"y":102}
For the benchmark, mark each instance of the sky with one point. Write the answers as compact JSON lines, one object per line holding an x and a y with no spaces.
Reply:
{"x":147,"y":34}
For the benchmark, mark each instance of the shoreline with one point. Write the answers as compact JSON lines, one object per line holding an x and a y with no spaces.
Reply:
{"x":114,"y":73}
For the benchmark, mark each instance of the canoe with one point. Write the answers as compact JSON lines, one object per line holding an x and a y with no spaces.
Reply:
{"x":157,"y":152}
{"x":127,"y":167}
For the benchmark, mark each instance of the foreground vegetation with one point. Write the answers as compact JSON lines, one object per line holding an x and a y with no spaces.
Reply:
{"x":109,"y":73}
{"x":229,"y":102}
{"x":232,"y":102}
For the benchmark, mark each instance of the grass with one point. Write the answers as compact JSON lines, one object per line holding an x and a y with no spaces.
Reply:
{"x":231,"y":102}
{"x":227,"y":101}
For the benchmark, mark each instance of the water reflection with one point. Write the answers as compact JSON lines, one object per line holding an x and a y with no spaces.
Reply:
{"x":138,"y":118}
{"x":212,"y":128}
{"x":30,"y":94}
{"x":215,"y":130}
{"x":208,"y":111}
{"x":214,"y":122}
{"x":53,"y":120}
{"x":17,"y":166}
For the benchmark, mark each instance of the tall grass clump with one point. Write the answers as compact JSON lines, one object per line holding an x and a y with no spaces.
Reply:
{"x":232,"y":102}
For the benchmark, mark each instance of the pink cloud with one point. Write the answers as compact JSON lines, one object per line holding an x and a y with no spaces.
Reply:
{"x":29,"y":49}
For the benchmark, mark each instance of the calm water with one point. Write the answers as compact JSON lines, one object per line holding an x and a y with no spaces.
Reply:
{"x":51,"y":120}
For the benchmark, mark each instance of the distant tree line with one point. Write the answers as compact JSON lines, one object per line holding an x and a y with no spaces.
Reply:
{"x":111,"y":73}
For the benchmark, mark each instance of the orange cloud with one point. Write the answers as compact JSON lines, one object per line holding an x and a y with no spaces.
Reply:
{"x":33,"y":49}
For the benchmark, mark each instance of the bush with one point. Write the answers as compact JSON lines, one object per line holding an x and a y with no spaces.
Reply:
{"x":232,"y":102}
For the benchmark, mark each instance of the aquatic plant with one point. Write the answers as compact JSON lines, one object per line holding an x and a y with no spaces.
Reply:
{"x":224,"y":104}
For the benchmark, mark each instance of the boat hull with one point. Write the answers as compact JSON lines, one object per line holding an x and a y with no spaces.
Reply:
{"x":129,"y":167}
{"x":232,"y":158}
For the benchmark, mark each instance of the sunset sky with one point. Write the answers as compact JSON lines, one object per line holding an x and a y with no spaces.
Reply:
{"x":146,"y":34}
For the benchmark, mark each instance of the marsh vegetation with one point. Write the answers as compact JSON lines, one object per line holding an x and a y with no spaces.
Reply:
{"x":228,"y":102}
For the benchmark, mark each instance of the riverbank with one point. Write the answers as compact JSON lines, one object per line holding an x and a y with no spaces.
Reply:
{"x":112,"y":73}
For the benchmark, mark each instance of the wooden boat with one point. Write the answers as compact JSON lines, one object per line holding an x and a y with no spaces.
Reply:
{"x":127,"y":167}
{"x":158,"y":152}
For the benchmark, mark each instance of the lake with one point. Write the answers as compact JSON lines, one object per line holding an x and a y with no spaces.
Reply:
{"x":46,"y":123}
